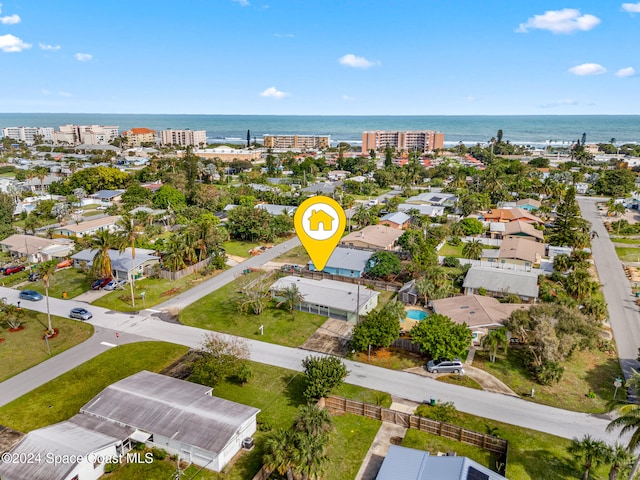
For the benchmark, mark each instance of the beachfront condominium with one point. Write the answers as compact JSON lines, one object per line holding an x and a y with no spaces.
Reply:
{"x":314,"y":142}
{"x":422,"y":141}
{"x":86,"y":134}
{"x":29,"y":135}
{"x":183,"y":137}
{"x":137,"y":137}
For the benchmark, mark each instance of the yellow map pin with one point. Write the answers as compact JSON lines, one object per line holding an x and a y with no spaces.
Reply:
{"x":319,"y":223}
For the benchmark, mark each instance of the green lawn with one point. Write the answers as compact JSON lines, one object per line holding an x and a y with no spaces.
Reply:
{"x":26,"y":348}
{"x":630,"y":241}
{"x":63,"y":397}
{"x":586,"y":371}
{"x":240,"y":248}
{"x":460,"y":380}
{"x":219,"y":311}
{"x":532,"y":455}
{"x":451,"y":251}
{"x":628,"y":254}
{"x":70,"y":280}
{"x":297,"y":255}
{"x":157,"y":290}
{"x":392,"y":358}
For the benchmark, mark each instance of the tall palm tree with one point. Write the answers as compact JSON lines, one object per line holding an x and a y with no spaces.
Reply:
{"x":589,"y":451}
{"x":278,"y":455}
{"x":48,"y":270}
{"x":629,"y":420}
{"x":494,"y":340}
{"x":102,"y":242}
{"x":472,"y":250}
{"x":619,"y":458}
{"x":313,"y":420}
{"x":173,"y":256}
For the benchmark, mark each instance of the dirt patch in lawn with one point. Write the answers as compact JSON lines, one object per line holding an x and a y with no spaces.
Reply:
{"x":332,"y":338}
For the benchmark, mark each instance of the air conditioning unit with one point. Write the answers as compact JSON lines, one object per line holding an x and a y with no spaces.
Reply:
{"x":247,"y":443}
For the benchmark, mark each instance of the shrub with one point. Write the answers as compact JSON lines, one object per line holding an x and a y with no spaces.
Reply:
{"x":441,"y":411}
{"x":244,"y":374}
{"x":159,"y":453}
{"x":455,"y":241}
{"x":452,"y":262}
{"x":323,"y":375}
{"x":110,"y":467}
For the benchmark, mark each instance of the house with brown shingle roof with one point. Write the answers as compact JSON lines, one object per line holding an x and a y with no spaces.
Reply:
{"x":88,"y":228}
{"x":520,"y":251}
{"x":529,"y":204}
{"x":519,"y":229}
{"x":510,"y":215}
{"x":373,"y":237}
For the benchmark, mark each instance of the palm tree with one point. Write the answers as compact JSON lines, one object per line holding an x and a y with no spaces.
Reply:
{"x":619,"y":458}
{"x":48,"y":270}
{"x":102,"y":242}
{"x":291,"y":298}
{"x":579,"y":285}
{"x":629,"y":420}
{"x":472,"y":250}
{"x":278,"y":455}
{"x":494,"y":340}
{"x":589,"y":451}
{"x":313,"y":420}
{"x":173,"y":256}
{"x":561,"y":263}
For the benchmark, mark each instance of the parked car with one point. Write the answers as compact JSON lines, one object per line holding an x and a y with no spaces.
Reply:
{"x":443,"y":365}
{"x":102,"y":207}
{"x":30,"y":295}
{"x":65,"y":263}
{"x":100,"y":283}
{"x":291,"y":268}
{"x":80,"y":314}
{"x":115,"y":284}
{"x":13,"y":269}
{"x":34,"y":276}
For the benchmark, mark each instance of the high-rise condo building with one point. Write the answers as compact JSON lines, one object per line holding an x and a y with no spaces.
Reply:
{"x":29,"y":135}
{"x":315,"y":142}
{"x":138,"y":136}
{"x":88,"y":134}
{"x":423,"y":141}
{"x":183,"y":137}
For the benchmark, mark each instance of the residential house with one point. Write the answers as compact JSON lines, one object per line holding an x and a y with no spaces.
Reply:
{"x":88,"y":228}
{"x":481,"y":314}
{"x":330,"y":298}
{"x":524,"y":230}
{"x":500,"y":282}
{"x":402,"y":463}
{"x":123,"y":265}
{"x":37,"y":249}
{"x":277,"y":209}
{"x":373,"y":237}
{"x":516,"y":251}
{"x":434,"y":198}
{"x":510,"y":215}
{"x":428,"y":210}
{"x":347,"y":262}
{"x":529,"y":204}
{"x":338,"y":174}
{"x":326,"y":188}
{"x":106,"y":196}
{"x":36,"y":184}
{"x":397,"y":220}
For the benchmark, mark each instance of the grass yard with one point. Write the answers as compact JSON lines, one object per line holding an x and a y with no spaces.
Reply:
{"x":63,"y":397}
{"x":391,"y":358}
{"x":157,"y":290}
{"x":14,"y":279}
{"x":451,"y":251}
{"x":628,"y":254}
{"x":628,"y":241}
{"x":587,"y":371}
{"x":297,"y":255}
{"x":460,"y":380}
{"x":219,"y":311}
{"x":240,"y":248}
{"x":70,"y":280}
{"x":26,"y":348}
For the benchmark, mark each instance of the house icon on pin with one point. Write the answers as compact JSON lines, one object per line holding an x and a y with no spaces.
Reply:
{"x":320,"y":217}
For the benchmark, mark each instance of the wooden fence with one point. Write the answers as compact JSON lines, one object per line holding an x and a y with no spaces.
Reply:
{"x":365,"y":282}
{"x":406,"y":344}
{"x":185,"y":271}
{"x":486,"y":442}
{"x":263,"y":474}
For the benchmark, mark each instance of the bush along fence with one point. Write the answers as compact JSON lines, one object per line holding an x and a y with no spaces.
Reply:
{"x":497,"y":446}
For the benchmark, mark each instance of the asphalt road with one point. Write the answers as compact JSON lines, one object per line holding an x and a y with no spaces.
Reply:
{"x":624,"y":314}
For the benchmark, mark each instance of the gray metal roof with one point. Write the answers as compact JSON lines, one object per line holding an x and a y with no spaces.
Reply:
{"x":106,"y":194}
{"x":174,"y":408}
{"x":348,"y":259}
{"x":403,"y":463}
{"x":276,"y":209}
{"x":396,"y":217}
{"x":327,"y":293}
{"x":119,"y":260}
{"x":64,"y":438}
{"x":502,"y":280}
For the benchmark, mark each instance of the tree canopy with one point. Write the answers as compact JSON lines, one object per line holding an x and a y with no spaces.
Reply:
{"x":439,"y":336}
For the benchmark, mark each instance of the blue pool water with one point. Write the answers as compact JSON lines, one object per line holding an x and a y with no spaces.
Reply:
{"x":418,"y":315}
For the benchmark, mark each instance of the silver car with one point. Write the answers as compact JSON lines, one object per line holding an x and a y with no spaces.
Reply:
{"x":80,"y":314}
{"x":443,"y":365}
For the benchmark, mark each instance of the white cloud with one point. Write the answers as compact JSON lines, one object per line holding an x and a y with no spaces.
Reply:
{"x":631,"y":7}
{"x":44,"y":46}
{"x":9,"y":43}
{"x":65,"y":94}
{"x":626,"y":72}
{"x":283,"y":35}
{"x":10,"y":19}
{"x":348,"y":98}
{"x":83,"y":57}
{"x":567,"y":20}
{"x":470,"y":98}
{"x":588,"y":69}
{"x":559,"y":103}
{"x":350,"y":60}
{"x":273,"y":92}
{"x":242,"y":3}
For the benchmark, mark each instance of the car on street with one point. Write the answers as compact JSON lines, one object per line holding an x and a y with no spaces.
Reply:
{"x":100,"y":283}
{"x":30,"y":295}
{"x":13,"y":269}
{"x":444,"y":365}
{"x":80,"y":313}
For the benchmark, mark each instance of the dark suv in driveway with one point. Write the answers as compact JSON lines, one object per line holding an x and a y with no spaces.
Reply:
{"x":100,"y":283}
{"x":443,"y":365}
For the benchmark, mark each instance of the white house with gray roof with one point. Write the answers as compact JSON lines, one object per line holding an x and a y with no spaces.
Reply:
{"x":329,"y":298}
{"x":428,"y":210}
{"x":123,"y":264}
{"x":347,"y":262}
{"x":500,"y":282}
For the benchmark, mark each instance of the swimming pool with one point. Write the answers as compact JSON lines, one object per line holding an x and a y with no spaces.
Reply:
{"x":418,"y":315}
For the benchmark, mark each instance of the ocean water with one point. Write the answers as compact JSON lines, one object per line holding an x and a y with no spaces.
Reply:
{"x":520,"y":129}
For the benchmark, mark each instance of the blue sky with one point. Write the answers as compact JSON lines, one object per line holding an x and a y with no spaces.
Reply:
{"x":321,"y":57}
